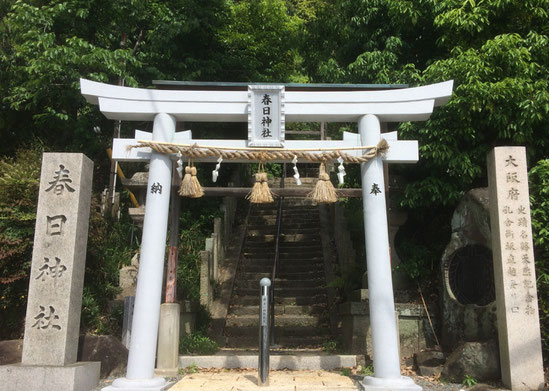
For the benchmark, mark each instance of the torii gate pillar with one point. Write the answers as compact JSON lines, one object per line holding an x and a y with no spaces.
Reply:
{"x":380,"y":285}
{"x":141,"y":359}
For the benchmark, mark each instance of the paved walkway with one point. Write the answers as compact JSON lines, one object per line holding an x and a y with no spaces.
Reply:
{"x":278,"y":380}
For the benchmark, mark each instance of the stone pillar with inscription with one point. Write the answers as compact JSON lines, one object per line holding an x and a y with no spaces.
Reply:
{"x":56,"y":280}
{"x":514,"y":272}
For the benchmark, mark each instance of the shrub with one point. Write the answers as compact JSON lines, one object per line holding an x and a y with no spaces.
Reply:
{"x":19,"y":182}
{"x":539,"y":201}
{"x":196,"y":223}
{"x":197,"y":342}
{"x":109,"y":248}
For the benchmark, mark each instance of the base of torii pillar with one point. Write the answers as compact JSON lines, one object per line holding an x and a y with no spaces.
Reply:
{"x":154,"y":384}
{"x":385,"y":351}
{"x":404,"y":383}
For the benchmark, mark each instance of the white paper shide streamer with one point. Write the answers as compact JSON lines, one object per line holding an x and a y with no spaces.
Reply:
{"x":215,"y":173}
{"x":296,"y":172}
{"x":341,"y":171}
{"x":180,"y":164}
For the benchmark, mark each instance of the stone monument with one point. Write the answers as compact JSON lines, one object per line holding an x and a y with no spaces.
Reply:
{"x":56,"y":280}
{"x":514,"y":272}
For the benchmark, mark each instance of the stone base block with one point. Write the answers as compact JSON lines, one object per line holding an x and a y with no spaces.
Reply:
{"x":276,"y":361}
{"x":166,"y":372}
{"x":81,"y":376}
{"x":168,"y":336}
{"x":404,"y":383}
{"x":123,"y":384}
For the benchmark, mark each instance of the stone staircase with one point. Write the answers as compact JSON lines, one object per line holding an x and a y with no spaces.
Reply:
{"x":301,"y":316}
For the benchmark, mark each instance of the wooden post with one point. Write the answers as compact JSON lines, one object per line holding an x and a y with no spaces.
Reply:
{"x":171,"y":279}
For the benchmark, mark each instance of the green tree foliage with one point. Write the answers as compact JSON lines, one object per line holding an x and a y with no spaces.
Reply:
{"x":19,"y":181}
{"x":494,"y":50}
{"x":539,"y":201}
{"x":46,"y":49}
{"x":260,"y":42}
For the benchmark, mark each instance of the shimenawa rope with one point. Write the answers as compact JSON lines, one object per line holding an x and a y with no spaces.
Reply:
{"x":324,"y":191}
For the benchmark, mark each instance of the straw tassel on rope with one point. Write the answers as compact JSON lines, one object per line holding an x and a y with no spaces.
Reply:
{"x":190,"y":187}
{"x":260,"y":194}
{"x":324,"y":192}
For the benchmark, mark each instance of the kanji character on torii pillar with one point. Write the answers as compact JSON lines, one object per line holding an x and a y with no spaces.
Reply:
{"x":368,"y":108}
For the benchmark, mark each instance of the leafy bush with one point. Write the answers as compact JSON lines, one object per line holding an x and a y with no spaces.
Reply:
{"x":196,"y":223}
{"x":469,"y":381}
{"x":539,"y":201}
{"x":19,"y":182}
{"x":197,"y":342}
{"x":109,"y":248}
{"x":331,"y":346}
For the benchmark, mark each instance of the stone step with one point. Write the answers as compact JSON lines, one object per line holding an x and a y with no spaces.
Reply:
{"x":281,"y":284}
{"x":290,"y":331}
{"x":252,"y":341}
{"x":280,"y":300}
{"x":273,"y":208}
{"x":294,"y":205}
{"x":286,"y":210}
{"x":287,"y":261}
{"x":267,"y":256}
{"x":312,"y":275}
{"x":284,"y":238}
{"x":282,"y":268}
{"x":286,"y":216}
{"x":304,"y":245}
{"x":282,"y":321}
{"x":281,"y":272}
{"x":280,"y":309}
{"x":256,"y":231}
{"x":277,"y":361}
{"x":286,"y":251}
{"x":272,"y":228}
{"x":286,"y":221}
{"x":283,"y":292}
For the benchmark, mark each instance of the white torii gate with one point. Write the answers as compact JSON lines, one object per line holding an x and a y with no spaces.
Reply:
{"x":166,"y":107}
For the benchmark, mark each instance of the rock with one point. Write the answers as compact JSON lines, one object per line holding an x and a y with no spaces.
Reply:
{"x":11,"y":351}
{"x":128,"y":278}
{"x":429,"y":358}
{"x":430,"y":371}
{"x":409,"y":361}
{"x":479,"y":360}
{"x":107,"y":349}
{"x":468,"y":295}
